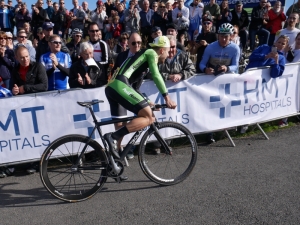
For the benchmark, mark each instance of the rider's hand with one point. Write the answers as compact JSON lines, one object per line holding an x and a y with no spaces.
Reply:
{"x":170,"y":103}
{"x":152,"y":106}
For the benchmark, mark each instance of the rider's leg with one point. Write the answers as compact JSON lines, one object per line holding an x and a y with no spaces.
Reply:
{"x":117,"y":127}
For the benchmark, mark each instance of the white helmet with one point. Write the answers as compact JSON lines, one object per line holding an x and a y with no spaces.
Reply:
{"x":226,"y":28}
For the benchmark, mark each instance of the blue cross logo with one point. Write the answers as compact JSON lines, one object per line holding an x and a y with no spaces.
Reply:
{"x":224,"y":101}
{"x":82,"y":120}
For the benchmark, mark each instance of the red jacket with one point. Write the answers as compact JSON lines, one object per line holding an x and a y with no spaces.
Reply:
{"x":275,"y":21}
{"x":116,"y":31}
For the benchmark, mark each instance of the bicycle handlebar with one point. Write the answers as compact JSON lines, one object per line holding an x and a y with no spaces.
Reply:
{"x":158,"y":106}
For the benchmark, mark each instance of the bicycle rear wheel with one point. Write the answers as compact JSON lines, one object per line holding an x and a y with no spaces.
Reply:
{"x":168,"y":168}
{"x":70,"y":182}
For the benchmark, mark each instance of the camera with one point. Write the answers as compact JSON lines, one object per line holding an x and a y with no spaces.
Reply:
{"x":217,"y":71}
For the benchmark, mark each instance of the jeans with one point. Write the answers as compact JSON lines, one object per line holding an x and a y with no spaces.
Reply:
{"x":263,"y":37}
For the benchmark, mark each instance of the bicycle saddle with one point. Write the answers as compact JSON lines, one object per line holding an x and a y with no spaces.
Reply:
{"x":88,"y":104}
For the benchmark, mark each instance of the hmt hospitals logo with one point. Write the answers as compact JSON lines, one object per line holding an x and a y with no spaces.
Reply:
{"x":224,"y":101}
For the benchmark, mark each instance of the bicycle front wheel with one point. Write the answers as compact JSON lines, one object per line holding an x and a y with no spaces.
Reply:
{"x":168,"y":167}
{"x":70,"y":181}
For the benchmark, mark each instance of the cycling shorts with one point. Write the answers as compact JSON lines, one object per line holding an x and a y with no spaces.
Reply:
{"x":122,"y":97}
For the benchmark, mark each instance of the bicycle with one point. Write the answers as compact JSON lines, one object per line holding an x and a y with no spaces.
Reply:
{"x":74,"y":167}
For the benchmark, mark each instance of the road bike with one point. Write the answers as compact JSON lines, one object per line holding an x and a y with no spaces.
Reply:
{"x":74,"y":167}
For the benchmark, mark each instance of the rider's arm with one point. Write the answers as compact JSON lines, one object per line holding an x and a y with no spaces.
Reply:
{"x":157,"y":78}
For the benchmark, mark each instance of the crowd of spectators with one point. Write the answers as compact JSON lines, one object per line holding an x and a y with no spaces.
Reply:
{"x":81,"y":47}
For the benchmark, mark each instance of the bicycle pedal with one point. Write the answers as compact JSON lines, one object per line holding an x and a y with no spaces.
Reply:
{"x":120,"y":179}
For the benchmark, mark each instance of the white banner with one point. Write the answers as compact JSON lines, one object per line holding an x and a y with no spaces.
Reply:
{"x":205,"y":103}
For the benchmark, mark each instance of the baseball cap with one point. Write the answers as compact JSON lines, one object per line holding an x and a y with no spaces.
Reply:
{"x":99,"y":2}
{"x":40,"y":29}
{"x":161,"y":41}
{"x":47,"y":25}
{"x":239,"y":3}
{"x":155,"y":29}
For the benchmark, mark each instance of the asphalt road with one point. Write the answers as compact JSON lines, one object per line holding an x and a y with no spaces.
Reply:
{"x":256,"y":182}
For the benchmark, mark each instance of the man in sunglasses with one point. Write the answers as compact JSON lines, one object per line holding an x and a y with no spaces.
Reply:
{"x":22,"y":40}
{"x":39,"y":16}
{"x":43,"y":46}
{"x":203,"y":40}
{"x":123,"y":93}
{"x":57,"y":64}
{"x":74,"y":44}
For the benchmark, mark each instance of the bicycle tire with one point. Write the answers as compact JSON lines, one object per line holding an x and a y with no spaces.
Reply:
{"x":168,"y":169}
{"x":61,"y":180}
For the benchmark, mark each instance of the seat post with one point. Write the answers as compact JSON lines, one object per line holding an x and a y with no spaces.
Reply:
{"x":93,"y":114}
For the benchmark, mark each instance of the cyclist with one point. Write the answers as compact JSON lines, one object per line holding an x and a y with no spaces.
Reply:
{"x":123,"y":88}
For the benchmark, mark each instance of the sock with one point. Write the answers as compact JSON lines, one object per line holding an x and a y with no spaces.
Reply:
{"x":120,"y":133}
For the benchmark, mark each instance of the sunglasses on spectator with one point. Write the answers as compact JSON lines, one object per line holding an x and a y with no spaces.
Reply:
{"x":22,"y":37}
{"x":136,"y":42}
{"x":2,"y":46}
{"x":94,"y":31}
{"x":9,"y":38}
{"x":56,"y":42}
{"x":1,"y":38}
{"x":162,"y":7}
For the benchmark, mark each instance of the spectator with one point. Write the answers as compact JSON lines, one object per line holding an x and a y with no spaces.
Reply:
{"x":86,"y":73}
{"x":7,"y":60}
{"x":108,"y":29}
{"x":27,"y":77}
{"x":121,"y":46}
{"x":57,"y":64}
{"x":63,"y":11}
{"x":39,"y":16}
{"x":116,"y":27}
{"x":87,"y":20}
{"x":195,"y":12}
{"x":121,"y":11}
{"x":28,"y":32}
{"x":171,"y":30}
{"x":259,"y":16}
{"x":49,"y":9}
{"x":74,"y":44}
{"x":109,"y":7}
{"x":240,"y":18}
{"x":294,"y":8}
{"x":22,"y":40}
{"x":77,"y":21}
{"x":180,"y":16}
{"x":154,"y":6}
{"x":213,"y":10}
{"x":296,"y":51}
{"x":169,"y":8}
{"x":43,"y":46}
{"x":132,"y":19}
{"x":136,"y":5}
{"x":146,"y":16}
{"x":98,"y":15}
{"x":155,"y":32}
{"x":12,"y":19}
{"x":22,"y":16}
{"x":221,"y":56}
{"x":178,"y":65}
{"x":100,"y":47}
{"x":9,"y":40}
{"x":160,"y":18}
{"x":225,"y":14}
{"x":5,"y":17}
{"x":203,"y":40}
{"x":276,"y":17}
{"x":235,"y":36}
{"x":58,"y":19}
{"x":291,"y":31}
{"x":270,"y":56}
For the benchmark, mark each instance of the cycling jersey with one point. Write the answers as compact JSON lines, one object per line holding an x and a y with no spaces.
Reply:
{"x":124,"y":87}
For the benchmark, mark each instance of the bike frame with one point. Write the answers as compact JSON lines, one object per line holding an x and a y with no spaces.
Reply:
{"x":132,"y":140}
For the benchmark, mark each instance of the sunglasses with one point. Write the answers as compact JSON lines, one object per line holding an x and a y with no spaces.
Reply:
{"x":136,"y":43}
{"x":94,"y":31}
{"x":22,"y":37}
{"x":173,"y":46}
{"x":162,"y":7}
{"x":56,"y":42}
{"x":9,"y":38}
{"x":1,"y":38}
{"x":78,"y":35}
{"x":2,"y":46}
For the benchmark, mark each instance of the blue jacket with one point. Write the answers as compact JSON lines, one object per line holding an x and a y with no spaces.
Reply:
{"x":257,"y":59}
